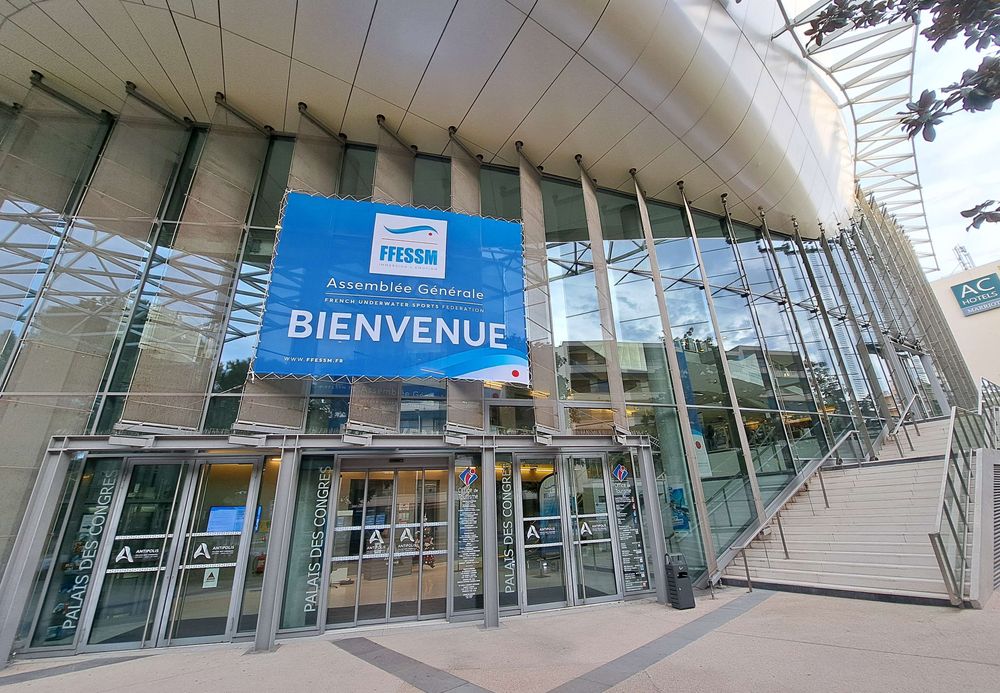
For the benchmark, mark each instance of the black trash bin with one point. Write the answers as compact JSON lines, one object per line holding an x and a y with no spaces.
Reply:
{"x":679,"y":590}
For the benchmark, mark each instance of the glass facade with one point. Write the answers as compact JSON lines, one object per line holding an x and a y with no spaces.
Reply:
{"x":143,"y":261}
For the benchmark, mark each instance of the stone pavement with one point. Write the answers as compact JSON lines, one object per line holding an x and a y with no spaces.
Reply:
{"x":764,"y":641}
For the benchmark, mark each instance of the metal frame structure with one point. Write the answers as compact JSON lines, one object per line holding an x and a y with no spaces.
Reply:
{"x":873,"y":68}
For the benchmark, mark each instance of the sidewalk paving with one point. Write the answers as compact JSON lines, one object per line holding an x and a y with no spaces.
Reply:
{"x":737,"y":642}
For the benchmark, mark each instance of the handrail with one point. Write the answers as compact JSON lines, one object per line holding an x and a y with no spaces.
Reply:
{"x":900,"y":423}
{"x":951,"y":581}
{"x":778,"y":504}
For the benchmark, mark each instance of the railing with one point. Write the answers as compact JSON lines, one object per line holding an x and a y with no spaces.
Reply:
{"x":968,"y":431}
{"x":775,"y":507}
{"x":953,"y":523}
{"x":901,"y":425}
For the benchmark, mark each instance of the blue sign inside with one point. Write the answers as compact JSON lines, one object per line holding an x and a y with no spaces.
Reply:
{"x":361,"y":289}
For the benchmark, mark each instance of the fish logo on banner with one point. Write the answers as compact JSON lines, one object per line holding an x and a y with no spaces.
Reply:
{"x":409,"y":246}
{"x":619,"y":472}
{"x":469,"y":476}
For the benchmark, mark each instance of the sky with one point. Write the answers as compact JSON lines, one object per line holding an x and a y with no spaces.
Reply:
{"x":961,"y":167}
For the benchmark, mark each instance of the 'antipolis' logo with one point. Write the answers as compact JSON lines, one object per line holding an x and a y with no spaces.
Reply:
{"x":409,"y":246}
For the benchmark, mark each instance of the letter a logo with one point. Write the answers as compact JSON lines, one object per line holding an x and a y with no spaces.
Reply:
{"x":124,"y":555}
{"x":585,"y":530}
{"x":202,"y":552}
{"x":532,"y":532}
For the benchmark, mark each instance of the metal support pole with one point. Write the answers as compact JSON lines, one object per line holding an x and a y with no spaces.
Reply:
{"x":491,"y":561}
{"x":26,"y":554}
{"x":822,"y":486}
{"x":655,"y":520}
{"x":781,"y":532}
{"x":278,"y":543}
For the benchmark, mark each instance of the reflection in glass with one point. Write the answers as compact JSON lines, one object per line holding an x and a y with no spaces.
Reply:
{"x":591,"y":526}
{"x":542,"y":533}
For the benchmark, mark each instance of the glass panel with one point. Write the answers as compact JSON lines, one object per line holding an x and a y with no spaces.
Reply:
{"x":724,"y":476}
{"x":374,"y":581}
{"x":305,"y":554}
{"x":261,"y":531}
{"x":772,"y":458}
{"x":406,"y":546}
{"x":73,"y":565}
{"x":206,"y":576}
{"x":136,"y":567}
{"x":327,"y":414}
{"x":358,"y":175}
{"x":673,"y":484}
{"x":500,"y":193}
{"x":591,"y":526}
{"x":581,"y":365}
{"x":434,"y":544}
{"x":638,"y":326}
{"x":431,"y":182}
{"x":511,"y":420}
{"x":468,"y":571}
{"x":542,"y":533}
{"x":347,"y":539}
{"x":506,"y":532}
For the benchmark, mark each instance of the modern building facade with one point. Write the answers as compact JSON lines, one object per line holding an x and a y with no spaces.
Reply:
{"x":968,"y":300}
{"x":711,"y":303}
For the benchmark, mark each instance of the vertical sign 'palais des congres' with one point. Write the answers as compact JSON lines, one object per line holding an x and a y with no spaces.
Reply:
{"x":360,"y":289}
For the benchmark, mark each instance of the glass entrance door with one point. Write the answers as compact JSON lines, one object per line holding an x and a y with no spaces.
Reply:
{"x":175,"y":566}
{"x":136,"y":568}
{"x":594,"y":550}
{"x":543,"y":568}
{"x":389,"y":555}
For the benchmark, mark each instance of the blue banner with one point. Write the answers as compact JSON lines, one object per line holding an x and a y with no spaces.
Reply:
{"x":978,"y":295}
{"x":361,"y":289}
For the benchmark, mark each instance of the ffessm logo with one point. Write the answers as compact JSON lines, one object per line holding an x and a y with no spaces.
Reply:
{"x":409,"y":246}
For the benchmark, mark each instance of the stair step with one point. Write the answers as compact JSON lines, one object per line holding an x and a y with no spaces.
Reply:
{"x":938,"y":597}
{"x":894,"y":547}
{"x":817,"y":577}
{"x":880,"y":558}
{"x":779,"y":562}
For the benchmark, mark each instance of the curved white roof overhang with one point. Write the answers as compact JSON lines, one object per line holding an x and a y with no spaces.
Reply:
{"x":708,"y":91}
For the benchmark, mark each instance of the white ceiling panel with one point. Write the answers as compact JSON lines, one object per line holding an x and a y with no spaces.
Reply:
{"x":476,"y":38}
{"x":330,"y":35}
{"x":359,"y":121}
{"x":574,"y":94}
{"x":157,"y":28}
{"x":663,"y":172}
{"x":325,"y":95}
{"x":570,"y":20}
{"x":270,"y":23}
{"x":206,"y":10}
{"x":117,"y":27}
{"x":620,"y":36}
{"x":56,"y":68}
{"x":428,"y":137}
{"x":204,"y":47}
{"x":636,"y":149}
{"x":612,"y":119}
{"x":523,"y":5}
{"x":531,"y":64}
{"x":665,"y":58}
{"x":704,"y":186}
{"x":185,"y":7}
{"x":14,"y":76}
{"x":256,"y":79}
{"x":400,"y":43}
{"x":73,"y":18}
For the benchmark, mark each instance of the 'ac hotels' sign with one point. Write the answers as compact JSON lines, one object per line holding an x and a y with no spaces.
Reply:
{"x":978,"y":295}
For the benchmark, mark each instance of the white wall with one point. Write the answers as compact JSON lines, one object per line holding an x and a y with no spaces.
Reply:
{"x":978,"y":336}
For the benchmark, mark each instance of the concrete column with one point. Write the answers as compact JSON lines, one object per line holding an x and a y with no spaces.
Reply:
{"x":593,"y":213}
{"x":491,"y":562}
{"x":279,"y":541}
{"x":18,"y":578}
